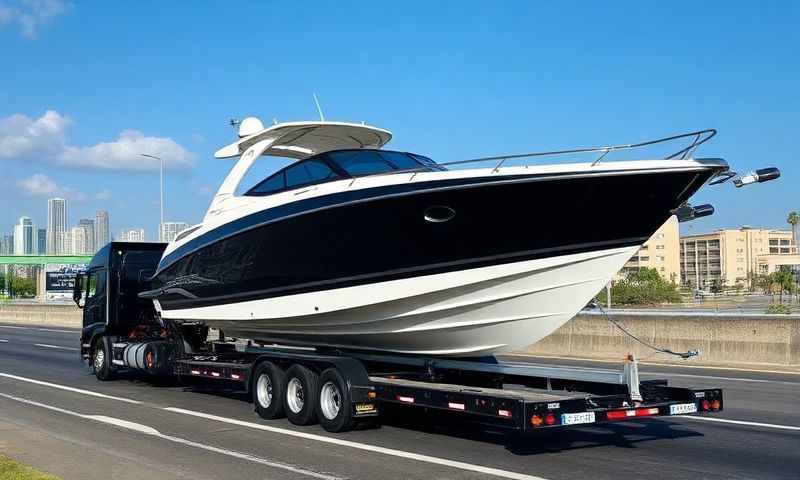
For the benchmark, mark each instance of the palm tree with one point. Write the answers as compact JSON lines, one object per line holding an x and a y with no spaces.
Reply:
{"x":794,"y":219}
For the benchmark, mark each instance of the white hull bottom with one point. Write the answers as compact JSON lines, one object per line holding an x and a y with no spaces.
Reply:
{"x":465,"y":313}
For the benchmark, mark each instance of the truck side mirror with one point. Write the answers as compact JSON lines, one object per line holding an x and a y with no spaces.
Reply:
{"x":77,"y":291}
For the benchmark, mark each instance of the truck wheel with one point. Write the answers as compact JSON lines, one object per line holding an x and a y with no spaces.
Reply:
{"x":101,"y":359}
{"x":334,"y":409}
{"x":301,"y":394}
{"x":268,"y":384}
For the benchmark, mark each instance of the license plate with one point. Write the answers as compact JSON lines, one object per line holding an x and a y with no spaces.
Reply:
{"x":682,"y":408}
{"x":576,"y":418}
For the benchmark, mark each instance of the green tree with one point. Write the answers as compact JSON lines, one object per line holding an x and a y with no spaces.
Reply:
{"x":642,"y":287}
{"x":782,"y":280}
{"x":793,"y":219}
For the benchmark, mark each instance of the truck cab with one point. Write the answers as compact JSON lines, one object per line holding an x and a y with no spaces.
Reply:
{"x":108,"y":291}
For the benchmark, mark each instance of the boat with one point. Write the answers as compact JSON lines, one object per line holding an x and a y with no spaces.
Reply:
{"x":354,"y":246}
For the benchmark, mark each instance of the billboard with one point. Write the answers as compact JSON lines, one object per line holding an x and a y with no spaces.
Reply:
{"x":62,"y":279}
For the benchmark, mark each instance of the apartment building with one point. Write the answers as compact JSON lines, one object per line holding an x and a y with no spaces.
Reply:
{"x":730,"y":256}
{"x":661,"y":251}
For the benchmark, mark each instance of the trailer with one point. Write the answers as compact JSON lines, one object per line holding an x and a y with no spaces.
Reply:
{"x":341,"y":388}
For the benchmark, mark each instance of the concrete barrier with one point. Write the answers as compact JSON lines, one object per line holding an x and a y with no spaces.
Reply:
{"x":41,"y":314}
{"x":741,"y":340}
{"x":745,"y":341}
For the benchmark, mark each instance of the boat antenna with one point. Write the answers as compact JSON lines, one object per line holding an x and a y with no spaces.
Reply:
{"x":319,"y":109}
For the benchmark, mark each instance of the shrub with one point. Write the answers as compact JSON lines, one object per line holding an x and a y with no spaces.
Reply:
{"x":778,"y":309}
{"x":642,"y":287}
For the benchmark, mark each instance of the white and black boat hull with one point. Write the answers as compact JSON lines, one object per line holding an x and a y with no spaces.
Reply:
{"x":460,"y":266}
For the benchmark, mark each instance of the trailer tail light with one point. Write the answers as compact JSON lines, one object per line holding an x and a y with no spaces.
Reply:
{"x":706,"y":405}
{"x":536,"y":420}
{"x":456,"y":406}
{"x":637,"y":412}
{"x":504,"y":413}
{"x":405,"y":399}
{"x":715,"y":405}
{"x":550,"y":419}
{"x":371,"y":394}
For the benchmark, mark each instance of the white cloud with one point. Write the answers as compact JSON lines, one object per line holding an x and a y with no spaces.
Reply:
{"x":45,"y":140}
{"x":31,"y":15}
{"x":40,"y":185}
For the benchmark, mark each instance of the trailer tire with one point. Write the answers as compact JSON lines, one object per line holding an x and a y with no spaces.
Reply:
{"x":301,"y":395}
{"x":101,"y":359}
{"x":334,"y":408}
{"x":268,"y":387}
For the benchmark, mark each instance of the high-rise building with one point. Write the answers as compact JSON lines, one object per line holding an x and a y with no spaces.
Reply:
{"x":41,"y":241}
{"x":661,"y":252}
{"x":87,"y":224}
{"x":734,"y":256}
{"x":170,"y":230}
{"x":101,"y":231}
{"x":7,"y":245}
{"x":79,"y":241}
{"x":25,"y":237}
{"x":56,"y":225}
{"x":132,"y":235}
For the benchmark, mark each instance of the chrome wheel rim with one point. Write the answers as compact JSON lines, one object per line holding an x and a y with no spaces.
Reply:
{"x":264,"y":391}
{"x":295,"y":397}
{"x":99,"y":359}
{"x":330,"y":400}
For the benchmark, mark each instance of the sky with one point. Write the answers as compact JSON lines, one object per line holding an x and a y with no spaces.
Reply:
{"x":89,"y":86}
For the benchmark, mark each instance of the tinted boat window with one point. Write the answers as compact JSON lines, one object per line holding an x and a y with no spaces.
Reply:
{"x":308,"y":172}
{"x":272,"y":184}
{"x":361,"y":162}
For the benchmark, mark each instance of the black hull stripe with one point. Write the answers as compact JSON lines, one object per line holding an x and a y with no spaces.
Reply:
{"x":183,"y":303}
{"x":285,"y":211}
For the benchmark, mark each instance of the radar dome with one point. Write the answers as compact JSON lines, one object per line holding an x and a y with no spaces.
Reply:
{"x":250,"y":126}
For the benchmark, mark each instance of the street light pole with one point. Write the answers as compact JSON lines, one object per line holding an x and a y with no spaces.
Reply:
{"x":161,"y":193}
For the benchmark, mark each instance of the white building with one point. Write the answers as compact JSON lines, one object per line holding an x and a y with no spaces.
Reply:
{"x":101,"y":231}
{"x":25,"y":233}
{"x":170,"y":230}
{"x":87,"y":224}
{"x":56,"y":225}
{"x":77,"y":241}
{"x":132,"y":235}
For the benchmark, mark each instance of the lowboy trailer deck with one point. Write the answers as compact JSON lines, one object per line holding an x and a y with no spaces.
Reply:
{"x":339,"y":388}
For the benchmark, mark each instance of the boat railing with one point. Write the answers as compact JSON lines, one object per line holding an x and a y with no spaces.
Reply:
{"x":694,"y":140}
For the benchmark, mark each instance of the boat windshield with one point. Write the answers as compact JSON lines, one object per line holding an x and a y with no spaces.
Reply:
{"x":339,"y":164}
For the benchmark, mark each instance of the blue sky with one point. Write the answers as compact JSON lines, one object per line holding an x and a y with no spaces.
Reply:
{"x":88,"y":85}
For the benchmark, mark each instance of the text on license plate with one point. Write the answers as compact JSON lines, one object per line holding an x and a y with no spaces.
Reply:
{"x":576,"y":418}
{"x":682,"y":408}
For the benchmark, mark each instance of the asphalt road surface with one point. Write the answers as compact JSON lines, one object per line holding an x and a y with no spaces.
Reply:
{"x":56,"y":416}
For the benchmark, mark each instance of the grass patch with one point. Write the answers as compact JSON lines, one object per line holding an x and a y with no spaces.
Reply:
{"x":13,"y":470}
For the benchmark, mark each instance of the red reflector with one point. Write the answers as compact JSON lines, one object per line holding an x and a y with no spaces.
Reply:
{"x":504,"y":413}
{"x":457,"y":406}
{"x":706,"y":405}
{"x":646,"y":412}
{"x":550,"y":419}
{"x":405,"y":399}
{"x":638,"y":412}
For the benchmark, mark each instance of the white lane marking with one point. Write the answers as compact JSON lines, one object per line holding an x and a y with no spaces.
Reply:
{"x":146,"y":430}
{"x":39,"y":329}
{"x":69,"y":389}
{"x":310,"y":436}
{"x":742,"y":422}
{"x":654,"y":364}
{"x":57,"y":347}
{"x":2,"y":340}
{"x":362,"y":446}
{"x":662,"y":374}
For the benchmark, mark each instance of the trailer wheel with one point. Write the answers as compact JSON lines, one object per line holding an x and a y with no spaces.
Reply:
{"x":334,"y":408}
{"x":101,"y":359}
{"x":301,"y":395}
{"x":268,"y":384}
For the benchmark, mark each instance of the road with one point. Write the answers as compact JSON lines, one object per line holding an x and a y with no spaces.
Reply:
{"x":56,"y":416}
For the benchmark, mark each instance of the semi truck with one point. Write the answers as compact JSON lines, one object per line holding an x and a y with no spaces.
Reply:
{"x":339,"y":389}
